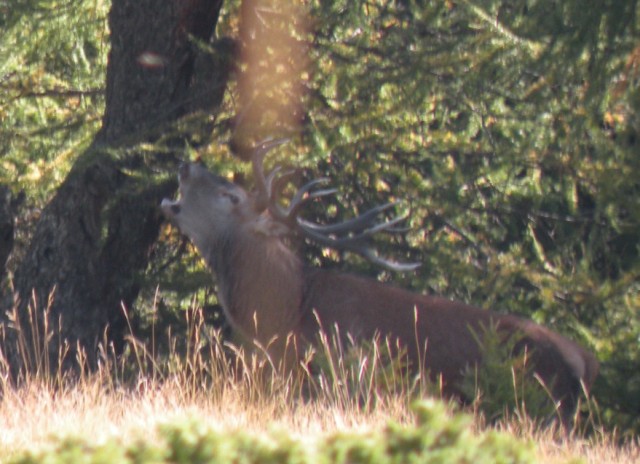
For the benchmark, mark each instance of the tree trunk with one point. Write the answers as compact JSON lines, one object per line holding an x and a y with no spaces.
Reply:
{"x":94,"y":237}
{"x":8,"y":211}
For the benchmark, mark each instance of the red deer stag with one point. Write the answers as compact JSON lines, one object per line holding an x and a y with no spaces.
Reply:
{"x":269,"y":294}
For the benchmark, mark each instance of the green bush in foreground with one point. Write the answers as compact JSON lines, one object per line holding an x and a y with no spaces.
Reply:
{"x":436,"y":437}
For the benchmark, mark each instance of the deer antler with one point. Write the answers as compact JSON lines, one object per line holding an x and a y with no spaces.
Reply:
{"x":264,"y":184}
{"x":351,"y":235}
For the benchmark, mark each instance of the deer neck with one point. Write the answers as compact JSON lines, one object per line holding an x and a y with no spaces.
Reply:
{"x":260,"y":283}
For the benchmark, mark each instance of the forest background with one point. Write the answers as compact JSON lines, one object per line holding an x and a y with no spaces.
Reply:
{"x":507,"y":128}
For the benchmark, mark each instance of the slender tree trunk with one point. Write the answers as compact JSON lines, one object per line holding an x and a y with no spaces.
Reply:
{"x":93,"y":239}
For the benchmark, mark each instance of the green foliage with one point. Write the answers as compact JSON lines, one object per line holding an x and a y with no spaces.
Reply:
{"x":510,"y":129}
{"x":52,"y":69}
{"x":504,"y":384}
{"x":435,"y":437}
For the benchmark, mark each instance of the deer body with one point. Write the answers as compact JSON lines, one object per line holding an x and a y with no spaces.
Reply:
{"x":269,"y":294}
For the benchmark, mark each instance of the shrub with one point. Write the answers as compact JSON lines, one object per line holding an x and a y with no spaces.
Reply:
{"x":435,"y":437}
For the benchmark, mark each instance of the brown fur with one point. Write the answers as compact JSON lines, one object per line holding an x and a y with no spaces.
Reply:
{"x":268,"y":294}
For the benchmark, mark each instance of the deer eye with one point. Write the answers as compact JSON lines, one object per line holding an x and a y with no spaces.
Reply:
{"x":232,"y":197}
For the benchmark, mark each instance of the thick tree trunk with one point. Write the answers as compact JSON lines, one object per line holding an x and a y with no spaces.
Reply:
{"x":93,"y":238}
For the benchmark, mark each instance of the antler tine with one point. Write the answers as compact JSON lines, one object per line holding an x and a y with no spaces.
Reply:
{"x":269,"y":180}
{"x":299,"y":196}
{"x":264,"y":184}
{"x":316,"y":230}
{"x":356,"y":244}
{"x":304,"y":196}
{"x":358,"y":223}
{"x":388,"y":264}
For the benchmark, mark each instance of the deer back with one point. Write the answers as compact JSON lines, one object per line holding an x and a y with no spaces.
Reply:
{"x":441,"y":335}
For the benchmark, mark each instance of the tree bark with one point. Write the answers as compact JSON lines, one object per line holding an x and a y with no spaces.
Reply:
{"x":8,"y":210}
{"x":94,"y":237}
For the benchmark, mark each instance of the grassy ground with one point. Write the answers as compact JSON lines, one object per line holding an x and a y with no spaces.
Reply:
{"x":201,"y":385}
{"x":37,"y":416}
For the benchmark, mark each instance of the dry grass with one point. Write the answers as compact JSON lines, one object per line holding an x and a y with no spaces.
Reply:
{"x":553,"y":447}
{"x":203,"y":384}
{"x":36,"y":414}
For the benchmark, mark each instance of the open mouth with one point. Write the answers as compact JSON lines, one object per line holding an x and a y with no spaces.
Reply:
{"x":170,"y":208}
